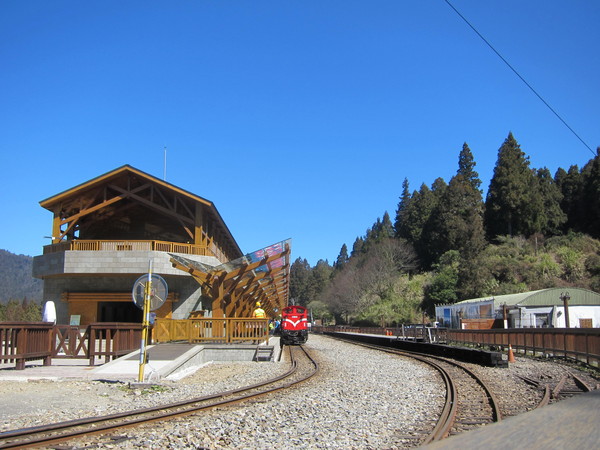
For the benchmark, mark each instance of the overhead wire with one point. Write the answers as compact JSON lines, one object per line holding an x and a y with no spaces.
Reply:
{"x":519,"y":75}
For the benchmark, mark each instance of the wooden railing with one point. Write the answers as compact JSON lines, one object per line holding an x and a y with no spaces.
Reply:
{"x":582,"y":344}
{"x":26,"y":341}
{"x":417,"y":332}
{"x":23,"y":341}
{"x":101,"y":339}
{"x":215,"y":330}
{"x":131,"y":245}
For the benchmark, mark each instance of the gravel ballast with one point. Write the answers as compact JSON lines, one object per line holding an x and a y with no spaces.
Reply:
{"x":361,"y":399}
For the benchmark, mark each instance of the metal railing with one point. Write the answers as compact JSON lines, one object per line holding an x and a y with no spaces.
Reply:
{"x":215,"y":330}
{"x":26,"y":341}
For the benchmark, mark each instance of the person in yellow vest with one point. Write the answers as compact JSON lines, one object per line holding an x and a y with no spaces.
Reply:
{"x":259,"y":313}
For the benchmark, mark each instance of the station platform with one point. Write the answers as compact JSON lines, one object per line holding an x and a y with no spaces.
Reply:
{"x":569,"y":424}
{"x":171,"y":361}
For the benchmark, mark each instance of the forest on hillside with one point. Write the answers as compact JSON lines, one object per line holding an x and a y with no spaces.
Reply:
{"x":446,"y":243}
{"x":16,"y":280}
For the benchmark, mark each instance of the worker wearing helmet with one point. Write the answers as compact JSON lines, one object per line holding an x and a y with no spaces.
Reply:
{"x":259,"y":313}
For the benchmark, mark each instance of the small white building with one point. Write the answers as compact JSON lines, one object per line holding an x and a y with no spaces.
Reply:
{"x":534,"y":309}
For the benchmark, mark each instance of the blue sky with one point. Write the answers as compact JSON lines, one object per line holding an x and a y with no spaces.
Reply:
{"x":297,"y":119}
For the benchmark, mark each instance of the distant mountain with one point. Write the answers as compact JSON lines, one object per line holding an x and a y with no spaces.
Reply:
{"x":16,"y":281}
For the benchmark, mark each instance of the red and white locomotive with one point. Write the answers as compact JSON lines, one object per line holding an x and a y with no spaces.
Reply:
{"x":294,"y":325}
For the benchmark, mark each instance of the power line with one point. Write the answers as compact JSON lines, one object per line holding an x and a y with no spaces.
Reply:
{"x":519,"y":75}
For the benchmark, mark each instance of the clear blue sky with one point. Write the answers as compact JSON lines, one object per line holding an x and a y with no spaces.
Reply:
{"x":297,"y":119}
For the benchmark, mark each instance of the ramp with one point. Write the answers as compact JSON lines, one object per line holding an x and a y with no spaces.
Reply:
{"x":177,"y":360}
{"x":162,"y":361}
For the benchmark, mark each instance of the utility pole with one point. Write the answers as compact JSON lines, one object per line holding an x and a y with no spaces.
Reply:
{"x":565,"y":297}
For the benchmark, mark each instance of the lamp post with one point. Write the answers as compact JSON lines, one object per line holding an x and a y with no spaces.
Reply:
{"x":565,"y":297}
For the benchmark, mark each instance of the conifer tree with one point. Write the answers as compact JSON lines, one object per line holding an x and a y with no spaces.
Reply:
{"x":300,"y":281}
{"x":507,"y":209}
{"x":357,"y":247}
{"x":342,"y":258}
{"x":416,"y":214}
{"x":405,"y":198}
{"x":591,"y":196}
{"x":571,"y":186}
{"x":422,"y":212}
{"x":550,"y":215}
{"x":466,"y":168}
{"x":457,"y":220}
{"x":387,"y":229}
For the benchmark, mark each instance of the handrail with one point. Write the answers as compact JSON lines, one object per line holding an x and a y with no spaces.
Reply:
{"x":25,"y":341}
{"x":22,"y":341}
{"x":131,"y":245}
{"x":581,"y":344}
{"x":209,"y":329}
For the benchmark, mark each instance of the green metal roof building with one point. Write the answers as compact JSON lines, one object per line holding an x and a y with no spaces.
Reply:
{"x":543,"y":308}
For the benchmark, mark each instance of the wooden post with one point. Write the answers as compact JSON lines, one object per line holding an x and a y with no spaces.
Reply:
{"x":565,"y":297}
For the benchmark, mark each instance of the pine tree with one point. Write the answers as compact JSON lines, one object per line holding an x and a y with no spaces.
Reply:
{"x":387,"y":229}
{"x":416,"y":214}
{"x":457,"y":220}
{"x":320,"y":278}
{"x":357,"y":247}
{"x":571,"y":186}
{"x":591,"y":196}
{"x":300,"y":275}
{"x":466,"y":168}
{"x":342,"y":258}
{"x":507,"y":204}
{"x":399,"y":224}
{"x":552,"y":215}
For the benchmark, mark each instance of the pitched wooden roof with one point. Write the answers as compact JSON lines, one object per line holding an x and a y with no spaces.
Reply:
{"x":127,"y":194}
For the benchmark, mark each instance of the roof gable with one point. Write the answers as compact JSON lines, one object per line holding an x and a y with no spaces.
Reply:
{"x":113,"y":174}
{"x":127,"y":203}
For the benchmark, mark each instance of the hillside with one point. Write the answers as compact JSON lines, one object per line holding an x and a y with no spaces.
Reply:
{"x":16,"y":282}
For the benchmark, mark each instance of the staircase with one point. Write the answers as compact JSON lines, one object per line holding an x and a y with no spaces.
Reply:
{"x":263,"y":353}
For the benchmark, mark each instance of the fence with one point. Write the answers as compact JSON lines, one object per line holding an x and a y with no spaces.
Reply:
{"x":22,"y":341}
{"x":414,"y":332}
{"x":215,"y":330}
{"x":26,"y":341}
{"x":582,"y":344}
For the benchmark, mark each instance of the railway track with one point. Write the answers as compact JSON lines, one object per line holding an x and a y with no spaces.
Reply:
{"x":469,"y":402}
{"x":567,"y":386}
{"x":302,"y":368}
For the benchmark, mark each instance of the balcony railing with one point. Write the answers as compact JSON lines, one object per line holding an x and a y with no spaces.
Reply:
{"x":133,"y":245}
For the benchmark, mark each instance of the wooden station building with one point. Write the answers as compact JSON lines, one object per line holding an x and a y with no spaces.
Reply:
{"x":106,"y":231}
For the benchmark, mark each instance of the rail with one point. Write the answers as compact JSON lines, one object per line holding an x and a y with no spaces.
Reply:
{"x":23,"y":341}
{"x":26,"y":341}
{"x":216,"y":330}
{"x":412,"y":332}
{"x":133,"y":245}
{"x":581,"y":344}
